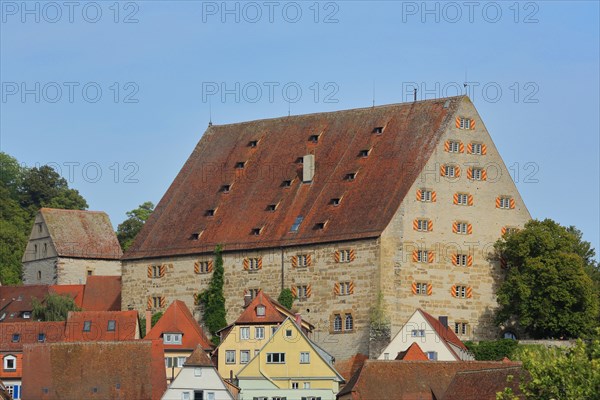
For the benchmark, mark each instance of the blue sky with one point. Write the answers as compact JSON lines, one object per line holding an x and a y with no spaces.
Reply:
{"x":116,"y":95}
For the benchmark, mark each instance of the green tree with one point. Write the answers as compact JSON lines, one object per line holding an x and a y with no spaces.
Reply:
{"x":54,"y":307}
{"x":128,"y":229}
{"x":44,"y":187}
{"x":213,"y":299}
{"x":286,"y":298}
{"x":559,"y":373}
{"x":493,"y":350}
{"x":153,"y":321}
{"x":547,"y":288}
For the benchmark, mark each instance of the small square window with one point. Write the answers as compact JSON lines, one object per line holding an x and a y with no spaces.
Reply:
{"x":314,"y":138}
{"x":196,"y":235}
{"x":230,"y":357}
{"x":286,"y":183}
{"x":210,"y":212}
{"x":41,"y":337}
{"x":465,"y":123}
{"x":320,"y":225}
{"x":364,"y":153}
{"x":422,"y":288}
{"x":294,"y":385}
{"x":244,"y":356}
{"x":197,"y":371}
{"x":304,"y":357}
{"x":259,"y":332}
{"x":454,"y":146}
{"x":288,"y":333}
{"x":260,"y":311}
{"x":432,"y":355}
{"x":245,"y":333}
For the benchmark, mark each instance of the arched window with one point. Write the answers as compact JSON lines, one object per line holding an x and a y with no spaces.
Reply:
{"x":10,"y":363}
{"x":349,"y":322}
{"x":337,"y":323}
{"x":509,"y":335}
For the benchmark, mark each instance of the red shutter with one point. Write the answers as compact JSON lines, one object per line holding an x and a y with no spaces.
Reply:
{"x":472,"y":124}
{"x":461,"y":147}
{"x":294,"y":291}
{"x":483,"y":149}
{"x":163,"y":269}
{"x":469,"y":292}
{"x":308,"y":291}
{"x":470,"y":148}
{"x":414,"y":288}
{"x":259,"y":262}
{"x":470,"y":200}
{"x":246,"y":264}
{"x":149,"y":271}
{"x":418,"y":194}
{"x":197,"y":267}
{"x":433,"y":197}
{"x":447,"y":145}
{"x":469,"y":229}
{"x":210,"y":266}
{"x":503,"y":231}
{"x":455,"y":259}
{"x":429,"y":225}
{"x":294,"y":261}
{"x":457,"y":171}
{"x":308,"y":260}
{"x":416,"y":225}
{"x":458,"y":122}
{"x":453,"y":290}
{"x":149,"y":303}
{"x":443,"y":170}
{"x":484,"y":175}
{"x":455,"y":198}
{"x":455,"y":227}
{"x":498,"y":202}
{"x":352,"y":255}
{"x":336,"y":256}
{"x":470,"y":173}
{"x":429,"y":289}
{"x":469,"y":261}
{"x":163,"y":302}
{"x":512,"y":203}
{"x":430,"y":257}
{"x":351,"y":288}
{"x":415,"y":256}
{"x":336,"y":289}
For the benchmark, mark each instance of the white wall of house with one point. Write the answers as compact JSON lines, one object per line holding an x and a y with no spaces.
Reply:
{"x":430,"y":342}
{"x":188,"y":380}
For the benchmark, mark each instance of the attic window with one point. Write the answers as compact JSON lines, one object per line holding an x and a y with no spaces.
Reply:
{"x":364,"y":153}
{"x":253,"y":143}
{"x":287,"y":183}
{"x":211,"y":212}
{"x":351,"y":176}
{"x":196,"y":235}
{"x":240,"y":164}
{"x":87,"y":326}
{"x":297,"y":223}
{"x":111,"y":325}
{"x":272,"y":207}
{"x":225,"y":188}
{"x":314,"y":138}
{"x":378,"y":130}
{"x":256,"y":231}
{"x":336,"y":201}
{"x":41,"y":337}
{"x":16,"y":337}
{"x":320,"y":225}
{"x":260,"y":311}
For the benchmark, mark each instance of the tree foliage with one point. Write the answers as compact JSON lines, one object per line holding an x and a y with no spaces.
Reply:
{"x":22,"y":192}
{"x":153,"y":320}
{"x":54,"y":307}
{"x":559,"y":373}
{"x":128,"y":229}
{"x":286,"y":298}
{"x":547,"y":288}
{"x":213,"y":299}
{"x":493,"y":350}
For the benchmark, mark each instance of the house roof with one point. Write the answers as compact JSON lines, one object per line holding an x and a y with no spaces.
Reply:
{"x":269,"y":150}
{"x":198,"y":358}
{"x":484,"y":384}
{"x":410,"y":380}
{"x":444,"y":332}
{"x":73,"y":291}
{"x":28,"y":333}
{"x":126,"y":326}
{"x":178,"y":319}
{"x":413,"y":353}
{"x":102,"y":293}
{"x":103,"y":370}
{"x":14,"y":300}
{"x":82,"y":234}
{"x":348,"y":367}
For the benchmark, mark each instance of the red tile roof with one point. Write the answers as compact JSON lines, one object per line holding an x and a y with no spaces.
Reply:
{"x":199,"y":358}
{"x":272,"y":314}
{"x":413,"y":353}
{"x":102,"y":293}
{"x":396,"y":157}
{"x":178,"y":319}
{"x":29,"y":333}
{"x":102,"y":370}
{"x":82,"y":234}
{"x":14,"y":300}
{"x":348,"y":367}
{"x":410,"y":380}
{"x":484,"y":384}
{"x":126,"y":326}
{"x":73,"y":291}
{"x":444,"y":332}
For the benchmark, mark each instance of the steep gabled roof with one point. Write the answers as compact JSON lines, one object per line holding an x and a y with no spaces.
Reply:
{"x":409,"y":380}
{"x":102,"y":293}
{"x":198,"y":358}
{"x":250,"y":316}
{"x":256,"y":157}
{"x":82,"y":234}
{"x":125,"y":326}
{"x":178,"y":319}
{"x":443,"y":332}
{"x":413,"y":353}
{"x":349,"y":366}
{"x":103,"y":370}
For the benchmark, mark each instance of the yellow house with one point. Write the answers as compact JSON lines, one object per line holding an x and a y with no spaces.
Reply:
{"x":255,"y":326}
{"x":290,"y":366}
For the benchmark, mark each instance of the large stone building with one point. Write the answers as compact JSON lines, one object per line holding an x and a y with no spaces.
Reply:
{"x":405,"y":200}
{"x":67,"y":246}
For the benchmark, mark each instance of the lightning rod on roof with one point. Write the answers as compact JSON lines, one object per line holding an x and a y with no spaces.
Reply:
{"x":209,"y":112}
{"x":415,"y":94}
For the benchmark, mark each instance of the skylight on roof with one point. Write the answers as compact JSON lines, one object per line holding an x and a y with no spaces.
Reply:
{"x":364,"y":153}
{"x":351,"y":176}
{"x":253,"y":143}
{"x":297,"y":223}
{"x":256,"y":231}
{"x":211,"y":212}
{"x":225,"y":188}
{"x":196,"y":235}
{"x":272,"y":207}
{"x":378,"y":130}
{"x":314,"y":138}
{"x":320,"y":225}
{"x":336,"y":201}
{"x":240,"y":164}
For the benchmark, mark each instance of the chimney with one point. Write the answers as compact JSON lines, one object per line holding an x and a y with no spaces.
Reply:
{"x":247,"y":299}
{"x":443,"y":320}
{"x":298,"y":319}
{"x":308,"y":168}
{"x":148,"y":321}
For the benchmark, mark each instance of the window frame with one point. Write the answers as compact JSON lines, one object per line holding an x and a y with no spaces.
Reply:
{"x":417,"y":333}
{"x":228,"y":359}
{"x":453,"y":146}
{"x":9,"y":358}
{"x":344,"y":255}
{"x":337,"y":323}
{"x":260,"y":329}
{"x":247,"y":354}
{"x":271,"y":358}
{"x":244,"y":333}
{"x":304,"y":357}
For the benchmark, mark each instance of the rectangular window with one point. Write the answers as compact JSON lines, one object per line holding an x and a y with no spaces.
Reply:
{"x":349,"y":322}
{"x":477,"y":174}
{"x":426,"y":195}
{"x":230,"y":357}
{"x":41,"y":337}
{"x":273,"y":330}
{"x":476,"y":148}
{"x":253,"y":293}
{"x":210,"y":396}
{"x":172,"y":338}
{"x":304,"y":357}
{"x":294,"y":385}
{"x":203,"y":267}
{"x":504,"y":202}
{"x":461,"y":328}
{"x":181,"y":361}
{"x":453,"y":146}
{"x":245,"y":333}
{"x":244,"y":356}
{"x":87,"y":326}
{"x":306,"y":385}
{"x":432,"y":355}
{"x":197,"y":371}
{"x":463,"y":199}
{"x":337,"y":323}
{"x":302,"y":292}
{"x":450,"y":171}
{"x":275,"y":358}
{"x":461,"y":291}
{"x":423,"y":225}
{"x":465,"y":123}
{"x":461,"y":260}
{"x":422,"y":288}
{"x":156,"y":271}
{"x":302,"y":260}
{"x":417,"y":333}
{"x":259,"y":332}
{"x":423,"y":256}
{"x":185,"y":396}
{"x":344,"y":255}
{"x":462,"y":228}
{"x":253,"y":264}
{"x":156,"y":302}
{"x":344,"y":288}
{"x":111,"y":325}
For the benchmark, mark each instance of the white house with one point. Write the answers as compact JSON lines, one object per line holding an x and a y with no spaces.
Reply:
{"x":433,"y":335}
{"x":198,"y":380}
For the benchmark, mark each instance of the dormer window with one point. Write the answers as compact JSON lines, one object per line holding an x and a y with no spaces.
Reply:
{"x":364,"y":153}
{"x":26,"y":314}
{"x":320,"y":225}
{"x":260,"y":311}
{"x":272,"y":207}
{"x":253,"y":143}
{"x":287,"y":183}
{"x":172,"y":338}
{"x":314,"y":138}
{"x":378,"y":130}
{"x":336,"y":201}
{"x":256,"y":231}
{"x":240,"y":164}
{"x":351,"y":176}
{"x":196,"y":235}
{"x":225,"y":188}
{"x":211,"y":212}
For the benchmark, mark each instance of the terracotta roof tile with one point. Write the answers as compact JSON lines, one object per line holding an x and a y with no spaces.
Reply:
{"x":73,"y":291}
{"x":396,"y":157}
{"x":198,"y":358}
{"x":103,"y":370}
{"x":28,"y":333}
{"x":178,"y":319}
{"x":413,"y":353}
{"x":14,"y":300}
{"x":409,"y":380}
{"x":82,"y":234}
{"x":126,"y":326}
{"x":102,"y":293}
{"x":444,"y":332}
{"x":484,"y":384}
{"x":347,"y":368}
{"x":250,"y":315}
